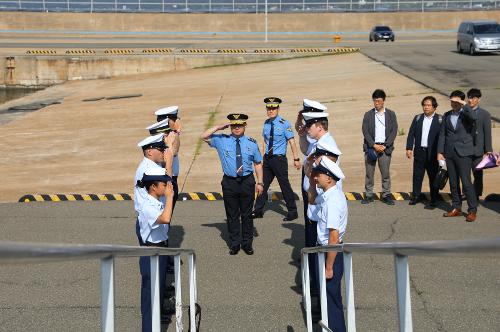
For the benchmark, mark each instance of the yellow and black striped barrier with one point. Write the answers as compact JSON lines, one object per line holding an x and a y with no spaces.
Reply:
{"x":232,"y":50}
{"x":118,"y":51}
{"x":80,"y":52}
{"x":270,"y":50}
{"x":41,"y":52}
{"x":74,"y":197}
{"x":195,"y":50}
{"x":343,"y":50}
{"x":157,"y":50}
{"x":211,"y":196}
{"x":305,"y":50}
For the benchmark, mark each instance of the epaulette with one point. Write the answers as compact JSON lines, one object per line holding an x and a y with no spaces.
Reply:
{"x":252,"y":140}
{"x":225,"y":135}
{"x":282,"y":120}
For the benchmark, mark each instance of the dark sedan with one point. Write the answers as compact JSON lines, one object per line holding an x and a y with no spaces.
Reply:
{"x":381,"y":32}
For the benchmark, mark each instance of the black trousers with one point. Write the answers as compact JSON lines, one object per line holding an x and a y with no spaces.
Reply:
{"x":239,"y":196}
{"x":276,"y":166}
{"x":176,"y":192}
{"x":459,"y":169}
{"x":478,"y":176}
{"x":421,"y":164}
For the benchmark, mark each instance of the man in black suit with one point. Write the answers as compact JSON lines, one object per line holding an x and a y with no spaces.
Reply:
{"x":456,"y":146}
{"x":380,"y":128}
{"x":422,"y":144}
{"x":482,"y":137}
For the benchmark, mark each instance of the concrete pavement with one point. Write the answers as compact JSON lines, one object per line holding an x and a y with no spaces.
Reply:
{"x":247,"y":293}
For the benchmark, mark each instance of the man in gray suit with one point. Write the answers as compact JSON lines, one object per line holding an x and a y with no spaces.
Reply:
{"x":380,"y":128}
{"x":456,"y":146}
{"x":482,"y":137}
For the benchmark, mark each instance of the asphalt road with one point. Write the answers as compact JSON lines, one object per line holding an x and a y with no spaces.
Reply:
{"x":247,"y":293}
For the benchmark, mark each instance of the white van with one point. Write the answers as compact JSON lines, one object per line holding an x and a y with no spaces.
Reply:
{"x":478,"y":36}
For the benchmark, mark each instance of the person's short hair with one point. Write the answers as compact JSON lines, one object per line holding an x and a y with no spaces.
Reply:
{"x":379,"y":93}
{"x":458,"y":93}
{"x":432,"y":99}
{"x":474,"y":93}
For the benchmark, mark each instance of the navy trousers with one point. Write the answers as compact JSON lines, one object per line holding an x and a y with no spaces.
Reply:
{"x":310,"y":236}
{"x":336,"y":320}
{"x":144,"y":264}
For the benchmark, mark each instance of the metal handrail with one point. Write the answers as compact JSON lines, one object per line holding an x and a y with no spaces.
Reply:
{"x":20,"y":252}
{"x":400,"y":251}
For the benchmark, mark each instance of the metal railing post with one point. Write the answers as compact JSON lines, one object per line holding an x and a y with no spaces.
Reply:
{"x":178,"y":293}
{"x":155,"y":292}
{"x":107,"y":295}
{"x":349,"y":290}
{"x":306,"y":290}
{"x":44,"y":8}
{"x":322,"y":288}
{"x":91,"y":6}
{"x":193,"y":296}
{"x":403,"y":293}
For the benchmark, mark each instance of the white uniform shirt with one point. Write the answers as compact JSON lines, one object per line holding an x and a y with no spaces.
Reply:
{"x":324,"y":138}
{"x":149,"y":212}
{"x":379,"y":126}
{"x":332,"y":214}
{"x":426,"y":127}
{"x":140,"y":194}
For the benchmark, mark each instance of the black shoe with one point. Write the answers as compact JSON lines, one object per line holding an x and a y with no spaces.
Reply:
{"x":367,"y":200}
{"x":234,"y":251}
{"x":257,"y":215}
{"x":387,"y":200}
{"x":414,"y":201}
{"x":248,"y":251}
{"x":433,"y":204}
{"x":291,"y":216}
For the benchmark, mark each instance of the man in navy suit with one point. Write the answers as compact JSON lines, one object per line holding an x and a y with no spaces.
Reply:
{"x":482,"y":137}
{"x":456,"y":146}
{"x":421,"y":144}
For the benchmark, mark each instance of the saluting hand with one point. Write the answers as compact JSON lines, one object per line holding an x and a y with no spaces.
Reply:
{"x":169,"y":190}
{"x":223,"y":126}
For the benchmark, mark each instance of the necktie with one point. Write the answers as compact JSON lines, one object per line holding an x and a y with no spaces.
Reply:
{"x":271,"y":139}
{"x":239,"y":159}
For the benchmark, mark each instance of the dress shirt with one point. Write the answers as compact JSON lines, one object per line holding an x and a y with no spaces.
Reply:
{"x":379,"y":126}
{"x":426,"y":127}
{"x":332,"y":214}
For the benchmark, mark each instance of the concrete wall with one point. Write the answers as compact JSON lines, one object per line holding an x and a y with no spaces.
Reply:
{"x":319,"y":22}
{"x":36,"y":71}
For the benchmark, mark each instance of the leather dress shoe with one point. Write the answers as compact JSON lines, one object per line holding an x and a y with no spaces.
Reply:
{"x":234,"y":251}
{"x":367,"y":200}
{"x":248,"y":250}
{"x":453,"y":213}
{"x":257,"y":215}
{"x":387,"y":200}
{"x":414,"y":201}
{"x":291,"y":216}
{"x":471,"y":217}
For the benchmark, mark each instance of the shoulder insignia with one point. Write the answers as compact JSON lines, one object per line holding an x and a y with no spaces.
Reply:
{"x":252,"y":140}
{"x":225,"y":135}
{"x":282,"y":120}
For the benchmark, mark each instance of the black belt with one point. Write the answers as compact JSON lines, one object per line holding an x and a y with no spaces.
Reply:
{"x":158,"y":244}
{"x":380,"y":143}
{"x":238,"y":177}
{"x":268,"y":156}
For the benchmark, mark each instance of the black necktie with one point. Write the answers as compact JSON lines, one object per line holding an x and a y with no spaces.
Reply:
{"x":271,"y":139}
{"x":239,"y":159}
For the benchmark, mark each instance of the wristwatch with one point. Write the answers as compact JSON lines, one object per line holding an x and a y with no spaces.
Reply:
{"x":296,"y":159}
{"x":260,"y":184}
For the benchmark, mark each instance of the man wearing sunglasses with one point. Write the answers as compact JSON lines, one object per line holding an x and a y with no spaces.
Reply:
{"x":277,"y":133}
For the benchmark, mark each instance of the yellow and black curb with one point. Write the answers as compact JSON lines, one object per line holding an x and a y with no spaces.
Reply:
{"x":194,"y":50}
{"x":81,"y":52}
{"x":157,"y":50}
{"x":212,"y":196}
{"x":270,"y":50}
{"x":305,"y":50}
{"x":119,"y":51}
{"x":232,"y":50}
{"x":42,"y":52}
{"x":74,"y":197}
